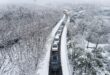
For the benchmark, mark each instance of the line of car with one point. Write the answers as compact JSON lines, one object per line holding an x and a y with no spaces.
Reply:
{"x":55,"y":62}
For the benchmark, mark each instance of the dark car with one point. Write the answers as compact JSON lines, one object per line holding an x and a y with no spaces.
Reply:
{"x":55,"y":62}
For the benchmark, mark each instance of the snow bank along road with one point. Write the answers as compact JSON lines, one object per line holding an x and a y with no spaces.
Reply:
{"x":56,"y":61}
{"x":66,"y":67}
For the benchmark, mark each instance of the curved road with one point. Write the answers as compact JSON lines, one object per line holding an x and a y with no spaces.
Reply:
{"x":51,"y":66}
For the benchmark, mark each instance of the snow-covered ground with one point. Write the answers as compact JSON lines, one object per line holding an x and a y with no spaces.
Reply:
{"x":44,"y":65}
{"x":92,"y":45}
{"x":66,"y":68}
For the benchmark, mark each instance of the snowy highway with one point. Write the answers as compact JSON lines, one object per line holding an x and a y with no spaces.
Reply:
{"x":58,"y":64}
{"x":56,"y":60}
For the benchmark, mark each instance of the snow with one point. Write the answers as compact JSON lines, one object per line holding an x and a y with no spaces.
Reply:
{"x":93,"y":45}
{"x":105,"y":54}
{"x":66,"y":69}
{"x":44,"y":66}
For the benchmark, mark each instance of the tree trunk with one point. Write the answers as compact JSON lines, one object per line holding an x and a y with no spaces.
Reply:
{"x":88,"y":45}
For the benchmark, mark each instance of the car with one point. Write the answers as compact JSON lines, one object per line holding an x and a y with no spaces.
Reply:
{"x":57,"y":40}
{"x":55,"y":62}
{"x":55,"y":46}
{"x":57,"y":36}
{"x":61,"y":27}
{"x":59,"y":31}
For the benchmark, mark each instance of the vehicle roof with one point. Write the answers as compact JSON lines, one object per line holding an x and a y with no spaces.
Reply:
{"x":54,"y":49}
{"x":55,"y":43}
{"x":59,"y":30}
{"x":57,"y":36}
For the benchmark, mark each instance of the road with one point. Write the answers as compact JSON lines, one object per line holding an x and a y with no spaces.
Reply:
{"x":55,"y":65}
{"x":45,"y":67}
